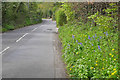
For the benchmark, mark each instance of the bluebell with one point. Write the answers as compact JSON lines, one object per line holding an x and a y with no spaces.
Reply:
{"x":92,"y":44}
{"x":95,"y":35}
{"x":99,"y":47}
{"x":76,"y":40}
{"x":80,"y":43}
{"x":73,"y":36}
{"x":106,"y":34}
{"x":89,"y":37}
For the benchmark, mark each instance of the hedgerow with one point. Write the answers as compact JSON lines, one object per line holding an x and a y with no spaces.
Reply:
{"x":60,"y":17}
{"x":91,"y":51}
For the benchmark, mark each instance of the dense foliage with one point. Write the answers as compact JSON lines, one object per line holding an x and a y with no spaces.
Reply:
{"x":90,"y":45}
{"x":19,"y":14}
{"x":60,"y":17}
{"x":46,"y":8}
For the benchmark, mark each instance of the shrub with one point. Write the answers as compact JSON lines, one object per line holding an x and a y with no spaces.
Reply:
{"x":9,"y":27}
{"x":4,"y":30}
{"x":69,"y":12}
{"x":60,"y":17}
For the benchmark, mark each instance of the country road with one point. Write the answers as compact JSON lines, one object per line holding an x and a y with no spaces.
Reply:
{"x":30,"y":52}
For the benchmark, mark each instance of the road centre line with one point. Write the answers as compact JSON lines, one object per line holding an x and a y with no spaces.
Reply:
{"x":34,"y":29}
{"x":4,"y":50}
{"x":21,"y":37}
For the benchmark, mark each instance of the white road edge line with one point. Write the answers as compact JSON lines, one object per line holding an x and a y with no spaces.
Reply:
{"x":21,"y":37}
{"x":34,"y":29}
{"x":4,"y":50}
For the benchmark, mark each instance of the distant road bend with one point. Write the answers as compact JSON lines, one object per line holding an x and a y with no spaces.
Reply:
{"x":29,"y":52}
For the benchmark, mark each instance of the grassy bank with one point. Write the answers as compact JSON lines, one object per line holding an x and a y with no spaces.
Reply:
{"x":90,"y":51}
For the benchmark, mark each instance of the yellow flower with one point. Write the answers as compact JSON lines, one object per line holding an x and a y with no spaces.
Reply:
{"x":70,"y":69}
{"x":113,"y":73}
{"x":110,"y":54}
{"x":114,"y":69}
{"x":96,"y":61}
{"x":91,"y":67}
{"x":113,"y":49}
{"x":77,"y":53}
{"x":102,"y":68}
{"x":114,"y":59}
{"x":96,"y":64}
{"x":103,"y":59}
{"x":73,"y":66}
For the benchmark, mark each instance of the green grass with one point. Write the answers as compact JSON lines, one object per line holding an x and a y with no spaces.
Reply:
{"x":90,"y":51}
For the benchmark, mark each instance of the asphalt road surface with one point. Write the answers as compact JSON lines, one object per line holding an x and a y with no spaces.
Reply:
{"x":29,"y":52}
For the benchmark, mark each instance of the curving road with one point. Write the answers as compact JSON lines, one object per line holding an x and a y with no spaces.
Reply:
{"x":30,"y":52}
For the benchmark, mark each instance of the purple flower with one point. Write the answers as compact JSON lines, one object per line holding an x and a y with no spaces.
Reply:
{"x":80,"y":43}
{"x":89,"y":37}
{"x":94,"y":50}
{"x":99,"y":47}
{"x":92,"y":44}
{"x":73,"y":36}
{"x":100,"y":37}
{"x":68,"y":45}
{"x":95,"y":35}
{"x":106,"y":34}
{"x":76,"y":40}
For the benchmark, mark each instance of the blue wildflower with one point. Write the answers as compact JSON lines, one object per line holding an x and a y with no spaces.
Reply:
{"x":73,"y":36}
{"x":106,"y":34}
{"x":89,"y":37}
{"x":99,"y":47}
{"x":76,"y":40}
{"x":68,"y":45}
{"x":92,"y":44}
{"x":95,"y":35}
{"x":100,"y":37}
{"x":80,"y":43}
